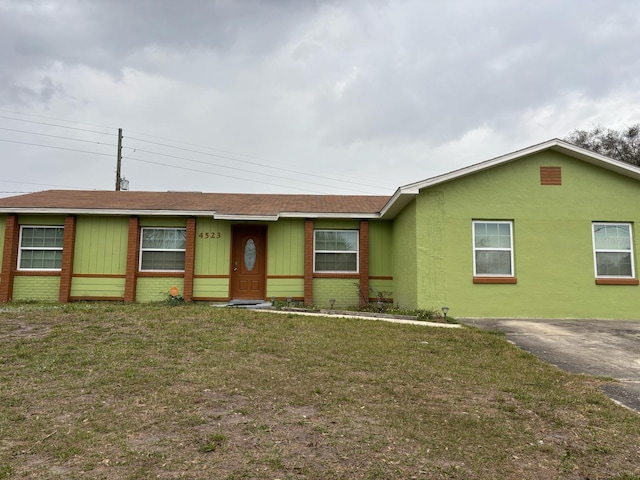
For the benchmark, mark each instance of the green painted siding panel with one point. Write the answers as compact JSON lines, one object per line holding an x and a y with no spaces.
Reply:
{"x":404,"y":258}
{"x":101,"y":245}
{"x":163,"y":222}
{"x":322,"y":224}
{"x":36,"y":288}
{"x":211,"y":287}
{"x":285,"y":247}
{"x":380,"y":242}
{"x":553,"y":253}
{"x":41,"y":220}
{"x":285,"y":287}
{"x":383,"y":287}
{"x":213,"y":247}
{"x":154,"y":289}
{"x":97,"y":287}
{"x":343,"y":290}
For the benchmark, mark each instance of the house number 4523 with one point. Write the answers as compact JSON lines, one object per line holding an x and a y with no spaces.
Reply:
{"x":209,"y":235}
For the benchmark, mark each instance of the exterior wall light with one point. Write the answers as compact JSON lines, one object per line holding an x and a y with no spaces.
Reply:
{"x":445,"y":310}
{"x":332,"y":302}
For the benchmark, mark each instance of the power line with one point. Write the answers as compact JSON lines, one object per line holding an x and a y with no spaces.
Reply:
{"x":237,"y":169}
{"x":56,"y":118}
{"x":221,"y":175}
{"x":55,"y":125}
{"x":43,"y":185}
{"x":57,"y":148}
{"x":255,"y":163}
{"x":59,"y":136}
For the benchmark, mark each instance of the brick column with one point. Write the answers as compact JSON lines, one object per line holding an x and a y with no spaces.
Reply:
{"x":189,"y":259}
{"x":308,"y":262}
{"x":9,"y":257}
{"x":133,"y":247}
{"x":68,"y":247}
{"x":364,"y":262}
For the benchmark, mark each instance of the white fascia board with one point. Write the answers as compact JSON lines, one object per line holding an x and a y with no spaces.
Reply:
{"x":247,"y":218}
{"x":105,"y":211}
{"x":349,"y":216}
{"x":405,"y":193}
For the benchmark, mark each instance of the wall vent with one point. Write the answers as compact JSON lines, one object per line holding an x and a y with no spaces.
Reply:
{"x":550,"y":175}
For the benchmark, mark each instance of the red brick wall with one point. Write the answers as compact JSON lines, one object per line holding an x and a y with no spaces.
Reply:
{"x":364,"y":262}
{"x":133,"y":246}
{"x":68,"y":247}
{"x":189,"y":260}
{"x":308,"y":262}
{"x":9,"y":257}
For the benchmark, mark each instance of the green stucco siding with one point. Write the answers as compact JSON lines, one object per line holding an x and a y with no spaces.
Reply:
{"x":42,"y":288}
{"x":404,"y":258}
{"x":101,"y":246}
{"x":213,"y":250}
{"x":343,"y":290}
{"x":155,"y":289}
{"x":285,"y":247}
{"x":553,"y":252}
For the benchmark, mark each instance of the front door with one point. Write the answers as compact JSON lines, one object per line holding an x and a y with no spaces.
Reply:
{"x":248,"y":262}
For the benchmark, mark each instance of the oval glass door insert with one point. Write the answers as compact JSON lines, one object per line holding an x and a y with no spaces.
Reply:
{"x":249,"y":254}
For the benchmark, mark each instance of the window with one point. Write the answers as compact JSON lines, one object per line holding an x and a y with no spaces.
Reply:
{"x":613,"y":250}
{"x":335,"y":251}
{"x":162,"y":249}
{"x":492,"y":249}
{"x":40,"y":248}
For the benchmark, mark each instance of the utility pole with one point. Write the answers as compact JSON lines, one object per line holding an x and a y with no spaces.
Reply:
{"x":119,"y":164}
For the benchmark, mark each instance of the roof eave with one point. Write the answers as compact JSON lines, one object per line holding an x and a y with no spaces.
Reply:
{"x":104,"y":211}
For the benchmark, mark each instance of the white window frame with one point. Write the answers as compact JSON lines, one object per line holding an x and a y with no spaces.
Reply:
{"x":357,"y":251}
{"x":21,"y":248}
{"x":142,"y":249}
{"x":493,"y":249}
{"x":612,"y":250}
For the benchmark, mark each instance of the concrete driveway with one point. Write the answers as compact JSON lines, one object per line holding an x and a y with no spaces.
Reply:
{"x":609,"y":348}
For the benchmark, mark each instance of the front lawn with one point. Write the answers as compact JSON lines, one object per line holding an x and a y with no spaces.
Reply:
{"x":155,"y":391}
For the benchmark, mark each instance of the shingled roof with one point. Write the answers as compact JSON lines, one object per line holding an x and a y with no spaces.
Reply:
{"x":220,"y":205}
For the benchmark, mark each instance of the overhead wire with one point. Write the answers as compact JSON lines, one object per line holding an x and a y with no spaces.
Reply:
{"x":171,"y":156}
{"x":254,"y":163}
{"x":234,"y":168}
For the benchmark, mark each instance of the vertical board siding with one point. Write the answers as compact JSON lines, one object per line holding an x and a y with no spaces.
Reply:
{"x":404,"y":257}
{"x":380,"y":245}
{"x":101,"y":245}
{"x":213,"y":252}
{"x":40,"y":288}
{"x":285,"y":247}
{"x":328,"y":224}
{"x":57,"y":220}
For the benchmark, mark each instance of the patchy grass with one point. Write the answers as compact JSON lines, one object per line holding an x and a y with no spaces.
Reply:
{"x":151,"y":391}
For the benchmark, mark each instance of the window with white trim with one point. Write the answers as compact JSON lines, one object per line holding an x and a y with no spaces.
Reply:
{"x":335,"y":251}
{"x":162,"y":249}
{"x":492,"y":249}
{"x":40,"y":248}
{"x":613,"y":250}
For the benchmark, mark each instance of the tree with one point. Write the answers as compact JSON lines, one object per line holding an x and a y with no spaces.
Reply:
{"x":623,"y":146}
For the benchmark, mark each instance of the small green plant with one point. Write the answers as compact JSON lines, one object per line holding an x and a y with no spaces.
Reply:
{"x":213,"y":442}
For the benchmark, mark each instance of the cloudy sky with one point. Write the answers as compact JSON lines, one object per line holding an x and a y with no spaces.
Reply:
{"x":300,"y":96}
